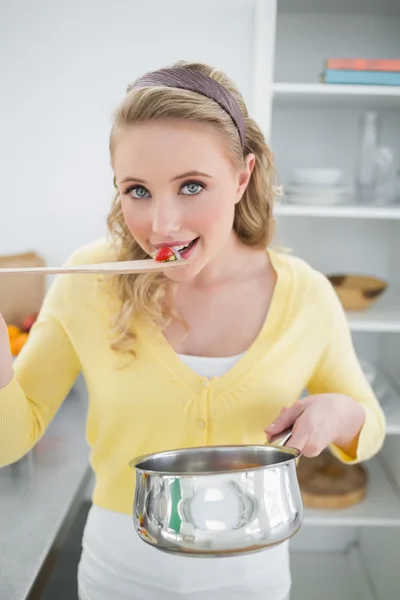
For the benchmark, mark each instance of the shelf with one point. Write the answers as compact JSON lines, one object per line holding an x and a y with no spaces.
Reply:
{"x":380,"y":508}
{"x":390,"y":403}
{"x":345,"y":7}
{"x":392,"y":415}
{"x":353,"y":211}
{"x":382,"y":317}
{"x":323,"y":94}
{"x":328,"y":576}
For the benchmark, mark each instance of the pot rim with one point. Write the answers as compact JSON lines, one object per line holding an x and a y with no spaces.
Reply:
{"x":134,"y":463}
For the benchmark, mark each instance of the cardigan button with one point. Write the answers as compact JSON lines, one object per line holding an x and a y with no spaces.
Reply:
{"x":202,"y":423}
{"x":205,"y":383}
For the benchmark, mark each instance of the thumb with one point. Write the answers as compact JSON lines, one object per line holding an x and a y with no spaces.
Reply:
{"x":285,"y":419}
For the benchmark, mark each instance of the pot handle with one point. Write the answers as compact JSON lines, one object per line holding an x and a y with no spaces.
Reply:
{"x":281,"y":438}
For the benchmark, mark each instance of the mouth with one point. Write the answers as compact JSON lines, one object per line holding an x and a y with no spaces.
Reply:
{"x":184,"y":251}
{"x":181,"y":250}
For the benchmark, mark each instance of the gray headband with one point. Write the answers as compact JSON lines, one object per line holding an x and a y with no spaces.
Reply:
{"x":195,"y":81}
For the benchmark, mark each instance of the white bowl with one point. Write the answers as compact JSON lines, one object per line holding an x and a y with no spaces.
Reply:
{"x":322,"y":195}
{"x":317,"y":176}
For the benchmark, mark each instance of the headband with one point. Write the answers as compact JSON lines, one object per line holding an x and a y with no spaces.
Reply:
{"x":195,"y":81}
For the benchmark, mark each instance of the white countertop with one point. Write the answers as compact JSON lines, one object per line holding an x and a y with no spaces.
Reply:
{"x":39,"y":496}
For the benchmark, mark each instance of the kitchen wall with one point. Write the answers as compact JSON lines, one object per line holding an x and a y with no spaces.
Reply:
{"x":65,"y":65}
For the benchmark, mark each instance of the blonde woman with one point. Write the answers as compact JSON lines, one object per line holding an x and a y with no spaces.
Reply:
{"x":208,"y":354}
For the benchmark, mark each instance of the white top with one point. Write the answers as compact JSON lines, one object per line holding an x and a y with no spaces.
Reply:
{"x":117,"y":564}
{"x":206,"y":366}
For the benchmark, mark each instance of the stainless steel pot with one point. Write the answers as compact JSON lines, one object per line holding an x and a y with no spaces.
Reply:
{"x":218,"y":500}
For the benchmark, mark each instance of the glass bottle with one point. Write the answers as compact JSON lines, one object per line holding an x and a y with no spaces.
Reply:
{"x":366,"y":176}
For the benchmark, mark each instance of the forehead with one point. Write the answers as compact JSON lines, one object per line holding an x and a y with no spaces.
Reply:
{"x":169,"y":146}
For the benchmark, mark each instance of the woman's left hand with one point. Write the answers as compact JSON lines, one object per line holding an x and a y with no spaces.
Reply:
{"x":319,"y":421}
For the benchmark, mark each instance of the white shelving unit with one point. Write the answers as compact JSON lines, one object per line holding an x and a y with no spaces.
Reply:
{"x":344,"y":211}
{"x":312,"y":124}
{"x":382,"y":317}
{"x":330,"y":576}
{"x":391,"y":407}
{"x":380,"y":508}
{"x":368,"y":96}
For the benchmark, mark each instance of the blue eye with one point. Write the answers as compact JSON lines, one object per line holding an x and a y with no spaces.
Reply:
{"x":137,"y":191}
{"x":192,"y":187}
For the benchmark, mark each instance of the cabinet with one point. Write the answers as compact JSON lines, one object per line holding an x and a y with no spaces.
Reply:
{"x":352,"y":554}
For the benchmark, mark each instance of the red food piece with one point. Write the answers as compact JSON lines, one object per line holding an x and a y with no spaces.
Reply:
{"x":164,"y":254}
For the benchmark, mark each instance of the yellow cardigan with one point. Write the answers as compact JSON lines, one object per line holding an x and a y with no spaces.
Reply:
{"x":156,"y":402}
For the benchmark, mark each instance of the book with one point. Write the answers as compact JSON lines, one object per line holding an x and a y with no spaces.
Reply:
{"x":363,"y":64}
{"x":343,"y":76}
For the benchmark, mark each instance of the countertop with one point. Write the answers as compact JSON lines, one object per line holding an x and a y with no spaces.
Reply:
{"x":39,"y":497}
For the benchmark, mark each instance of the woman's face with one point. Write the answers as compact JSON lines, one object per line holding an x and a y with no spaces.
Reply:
{"x":179,"y":188}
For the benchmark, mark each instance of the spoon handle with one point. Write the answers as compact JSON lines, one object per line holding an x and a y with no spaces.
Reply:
{"x":126,"y":266}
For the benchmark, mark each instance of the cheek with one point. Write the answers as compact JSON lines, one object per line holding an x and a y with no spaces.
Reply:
{"x":135,"y":218}
{"x":204,"y":222}
{"x":217,"y":215}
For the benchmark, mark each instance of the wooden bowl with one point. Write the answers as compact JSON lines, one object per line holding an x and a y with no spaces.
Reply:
{"x":327,"y":483}
{"x":357,"y":292}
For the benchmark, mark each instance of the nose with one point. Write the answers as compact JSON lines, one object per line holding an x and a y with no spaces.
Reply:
{"x":166,"y":217}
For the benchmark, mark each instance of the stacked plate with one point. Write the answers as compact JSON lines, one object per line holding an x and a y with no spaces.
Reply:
{"x":318,"y":186}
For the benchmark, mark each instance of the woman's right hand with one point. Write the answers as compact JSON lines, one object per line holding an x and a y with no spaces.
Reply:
{"x":6,"y":362}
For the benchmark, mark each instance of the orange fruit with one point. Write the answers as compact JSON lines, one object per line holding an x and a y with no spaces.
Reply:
{"x":17,"y":343}
{"x":13,"y":331}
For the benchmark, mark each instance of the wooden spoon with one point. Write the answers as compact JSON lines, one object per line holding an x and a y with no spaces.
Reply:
{"x":125,"y":266}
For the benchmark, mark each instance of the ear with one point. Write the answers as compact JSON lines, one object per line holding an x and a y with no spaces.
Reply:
{"x":244,"y":176}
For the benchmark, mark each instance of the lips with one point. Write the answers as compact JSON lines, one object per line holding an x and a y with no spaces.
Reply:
{"x":182,"y":247}
{"x":187,"y":251}
{"x":177,"y":247}
{"x":174,"y":245}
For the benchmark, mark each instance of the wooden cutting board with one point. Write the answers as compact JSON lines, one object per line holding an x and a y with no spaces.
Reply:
{"x":327,"y":483}
{"x":21,"y":296}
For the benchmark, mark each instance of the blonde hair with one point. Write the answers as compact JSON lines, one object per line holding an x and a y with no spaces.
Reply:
{"x":147,"y":295}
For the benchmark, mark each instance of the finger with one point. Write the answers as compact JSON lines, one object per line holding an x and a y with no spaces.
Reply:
{"x":286,"y":418}
{"x":279,"y":414}
{"x":299,"y":439}
{"x":306,"y":436}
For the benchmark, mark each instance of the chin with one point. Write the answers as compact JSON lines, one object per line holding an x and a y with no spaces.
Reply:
{"x":181,"y":275}
{"x":189,"y":271}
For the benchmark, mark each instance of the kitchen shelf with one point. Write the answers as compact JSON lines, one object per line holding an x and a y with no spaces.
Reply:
{"x":343,"y":7}
{"x":382,"y":317}
{"x":329,"y":576}
{"x":299,"y":95}
{"x":390,"y":403}
{"x":380,"y":507}
{"x":347,"y":211}
{"x":393,"y":420}
{"x":392,"y":414}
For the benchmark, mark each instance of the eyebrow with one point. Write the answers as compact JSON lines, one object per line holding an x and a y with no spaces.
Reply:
{"x":187,"y":174}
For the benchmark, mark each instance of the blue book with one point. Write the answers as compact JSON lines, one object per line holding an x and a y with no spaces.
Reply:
{"x":361,"y":77}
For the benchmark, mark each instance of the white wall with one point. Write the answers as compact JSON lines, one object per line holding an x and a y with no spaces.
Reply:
{"x":64,"y":66}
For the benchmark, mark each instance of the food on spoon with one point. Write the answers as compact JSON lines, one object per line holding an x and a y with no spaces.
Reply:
{"x":175,"y":252}
{"x":165,"y":254}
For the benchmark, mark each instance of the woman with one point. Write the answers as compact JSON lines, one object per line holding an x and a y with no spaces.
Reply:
{"x":212,"y":353}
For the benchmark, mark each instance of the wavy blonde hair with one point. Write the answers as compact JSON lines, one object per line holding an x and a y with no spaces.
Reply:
{"x":148,"y":295}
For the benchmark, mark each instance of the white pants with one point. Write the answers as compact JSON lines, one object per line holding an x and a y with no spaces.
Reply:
{"x":116,"y":565}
